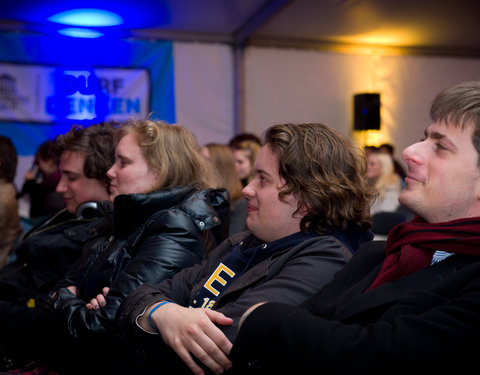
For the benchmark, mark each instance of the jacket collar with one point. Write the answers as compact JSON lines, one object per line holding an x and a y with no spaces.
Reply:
{"x":131,"y":210}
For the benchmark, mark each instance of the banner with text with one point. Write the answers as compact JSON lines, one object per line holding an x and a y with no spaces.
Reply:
{"x":50,"y":94}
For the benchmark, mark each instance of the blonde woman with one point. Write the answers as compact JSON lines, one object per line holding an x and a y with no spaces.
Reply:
{"x":162,"y":210}
{"x":245,"y":154}
{"x":387,"y":183}
{"x":222,"y":157}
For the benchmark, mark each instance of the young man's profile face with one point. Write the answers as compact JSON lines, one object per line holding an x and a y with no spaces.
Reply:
{"x":269,"y":218}
{"x":75,"y":187}
{"x":443,"y":180}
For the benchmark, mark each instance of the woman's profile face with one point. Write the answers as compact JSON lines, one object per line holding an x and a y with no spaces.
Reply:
{"x":374,"y":167}
{"x":130,"y":174}
{"x":242,"y":164}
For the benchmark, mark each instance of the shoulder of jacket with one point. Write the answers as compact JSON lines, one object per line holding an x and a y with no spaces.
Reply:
{"x":319,"y":245}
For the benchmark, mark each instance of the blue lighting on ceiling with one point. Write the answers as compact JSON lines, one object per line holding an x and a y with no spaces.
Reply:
{"x":89,"y":17}
{"x":77,"y":32}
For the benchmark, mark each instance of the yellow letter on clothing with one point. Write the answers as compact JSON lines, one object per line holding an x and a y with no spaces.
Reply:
{"x":216,"y":277}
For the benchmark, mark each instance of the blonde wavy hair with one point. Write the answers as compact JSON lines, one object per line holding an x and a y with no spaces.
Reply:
{"x":222,"y":157}
{"x":325,"y":172}
{"x":173,"y":151}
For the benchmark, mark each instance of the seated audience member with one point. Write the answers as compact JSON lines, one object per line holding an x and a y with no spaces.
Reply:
{"x":222,"y":158}
{"x":47,"y":251}
{"x":10,"y":228}
{"x":385,"y":209}
{"x":245,"y":153}
{"x":158,"y":222}
{"x":243,"y":137}
{"x":41,"y":182}
{"x":386,"y":182}
{"x":308,"y":211}
{"x":389,"y":149}
{"x":369,"y":149}
{"x":410,"y":305}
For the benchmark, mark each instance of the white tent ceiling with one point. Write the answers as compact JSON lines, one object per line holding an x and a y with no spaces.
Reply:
{"x":441,"y":27}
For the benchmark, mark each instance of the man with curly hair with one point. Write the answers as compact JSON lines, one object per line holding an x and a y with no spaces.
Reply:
{"x":308,"y":212}
{"x":407,"y":305}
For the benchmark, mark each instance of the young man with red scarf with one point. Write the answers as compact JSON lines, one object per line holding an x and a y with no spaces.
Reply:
{"x":411,"y":303}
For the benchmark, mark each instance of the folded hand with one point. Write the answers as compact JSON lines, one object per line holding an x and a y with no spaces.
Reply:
{"x":193,"y":332}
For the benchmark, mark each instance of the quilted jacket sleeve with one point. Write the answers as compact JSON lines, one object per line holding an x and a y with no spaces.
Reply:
{"x":177,"y":289}
{"x":172,"y":243}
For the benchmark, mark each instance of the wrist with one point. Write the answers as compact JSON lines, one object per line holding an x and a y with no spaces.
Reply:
{"x":248,"y":312}
{"x":152,"y":310}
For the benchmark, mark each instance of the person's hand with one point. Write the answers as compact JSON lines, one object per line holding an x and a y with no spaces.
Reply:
{"x":247,"y":313}
{"x":193,"y":332}
{"x":72,"y":289}
{"x":30,"y":175}
{"x":99,"y":300}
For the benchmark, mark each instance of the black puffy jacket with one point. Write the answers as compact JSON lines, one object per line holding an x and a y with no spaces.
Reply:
{"x":146,"y":238}
{"x":44,"y":255}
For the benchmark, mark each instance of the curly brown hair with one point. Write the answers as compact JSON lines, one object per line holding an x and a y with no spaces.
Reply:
{"x":325,"y":172}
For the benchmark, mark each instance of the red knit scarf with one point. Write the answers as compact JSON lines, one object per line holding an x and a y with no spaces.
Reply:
{"x":410,"y":246}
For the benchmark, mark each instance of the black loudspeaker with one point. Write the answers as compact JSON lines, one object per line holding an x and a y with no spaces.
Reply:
{"x":366,"y":112}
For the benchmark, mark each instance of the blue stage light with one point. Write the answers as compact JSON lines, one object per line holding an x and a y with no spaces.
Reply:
{"x":77,"y":32}
{"x":89,"y":17}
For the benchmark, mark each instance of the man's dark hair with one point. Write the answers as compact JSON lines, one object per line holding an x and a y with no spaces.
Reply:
{"x":459,"y":105}
{"x":96,"y":143}
{"x":242,"y":137}
{"x":47,"y":151}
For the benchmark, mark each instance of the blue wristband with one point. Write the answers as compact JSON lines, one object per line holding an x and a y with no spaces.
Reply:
{"x":151,"y":312}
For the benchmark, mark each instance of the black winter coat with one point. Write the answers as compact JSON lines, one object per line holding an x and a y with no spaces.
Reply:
{"x":146,"y":239}
{"x":427,"y":323}
{"x":42,"y":259}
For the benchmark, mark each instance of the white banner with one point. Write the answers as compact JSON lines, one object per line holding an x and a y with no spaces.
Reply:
{"x":48,"y":94}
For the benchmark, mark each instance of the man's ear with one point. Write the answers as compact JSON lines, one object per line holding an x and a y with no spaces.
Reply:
{"x":302,"y":211}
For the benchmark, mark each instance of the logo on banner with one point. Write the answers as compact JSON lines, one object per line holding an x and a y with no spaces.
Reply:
{"x":34,"y":93}
{"x":9,"y":99}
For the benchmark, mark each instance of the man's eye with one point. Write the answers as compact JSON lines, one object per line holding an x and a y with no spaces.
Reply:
{"x":441,"y":147}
